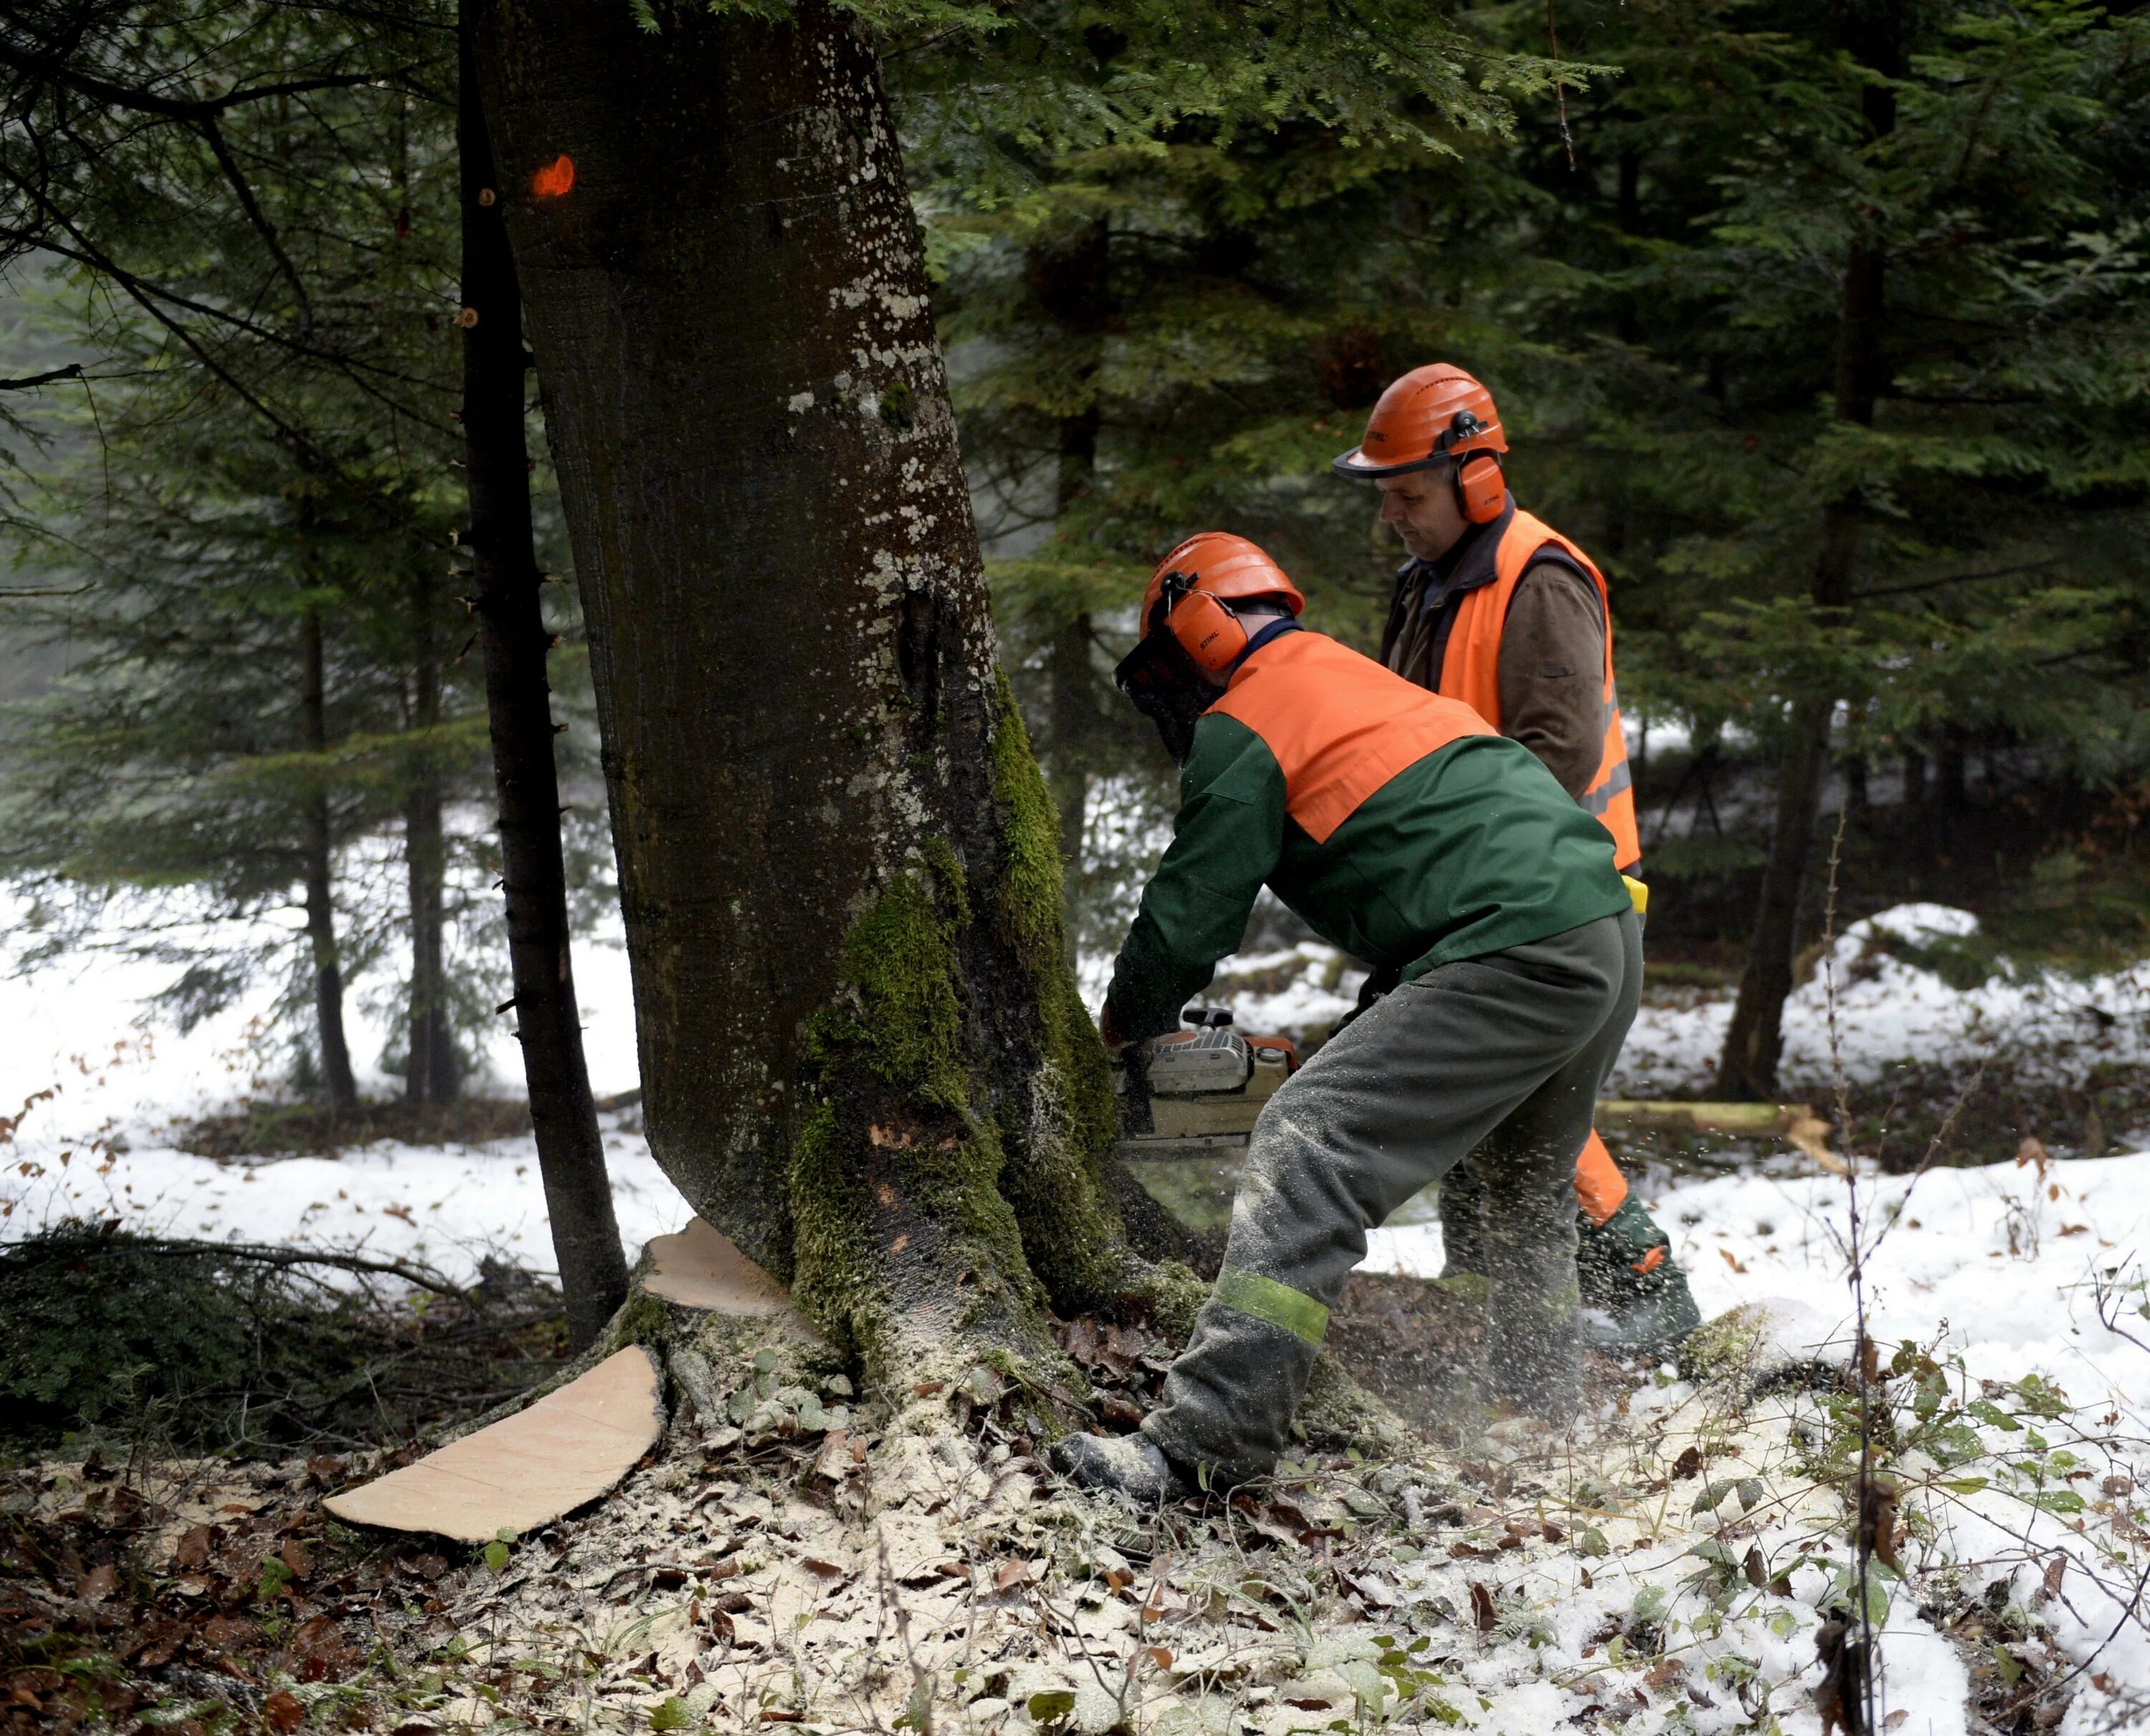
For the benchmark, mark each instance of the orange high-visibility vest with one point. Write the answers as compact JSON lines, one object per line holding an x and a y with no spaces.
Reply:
{"x":1338,"y":725}
{"x":1470,"y":672}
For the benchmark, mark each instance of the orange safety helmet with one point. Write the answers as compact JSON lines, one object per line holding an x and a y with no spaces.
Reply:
{"x":1432,"y":415}
{"x":1197,"y":583}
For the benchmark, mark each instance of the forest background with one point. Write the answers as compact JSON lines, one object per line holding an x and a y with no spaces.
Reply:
{"x":1818,"y":324}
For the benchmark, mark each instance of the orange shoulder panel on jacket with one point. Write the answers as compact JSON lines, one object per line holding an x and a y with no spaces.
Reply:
{"x":1339,"y":725}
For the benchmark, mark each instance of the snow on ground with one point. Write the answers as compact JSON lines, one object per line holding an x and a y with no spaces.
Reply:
{"x":2007,"y":1261}
{"x":1888,"y":1010}
{"x":1998,"y":1272}
{"x":124,"y":1081}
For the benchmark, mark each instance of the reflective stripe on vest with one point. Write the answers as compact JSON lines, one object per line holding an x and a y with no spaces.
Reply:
{"x":1338,"y":725}
{"x":1470,"y":672}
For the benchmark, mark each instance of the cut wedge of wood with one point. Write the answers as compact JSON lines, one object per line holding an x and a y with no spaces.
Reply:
{"x":1795,"y":1123}
{"x":526,"y":1470}
{"x":701,"y":1267}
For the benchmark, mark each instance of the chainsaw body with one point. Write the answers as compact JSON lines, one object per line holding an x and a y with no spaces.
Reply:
{"x":1198,"y":1089}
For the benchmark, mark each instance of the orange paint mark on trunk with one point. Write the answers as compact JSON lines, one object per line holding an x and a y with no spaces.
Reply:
{"x":556,"y":179}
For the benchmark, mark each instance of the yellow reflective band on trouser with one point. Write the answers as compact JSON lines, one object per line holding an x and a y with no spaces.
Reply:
{"x":1279,"y":1304}
{"x":1638,"y":894}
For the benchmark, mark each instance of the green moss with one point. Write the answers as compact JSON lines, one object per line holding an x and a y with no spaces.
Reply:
{"x":1055,"y":1176}
{"x":899,"y":1009}
{"x":892,"y":1159}
{"x":642,"y":1320}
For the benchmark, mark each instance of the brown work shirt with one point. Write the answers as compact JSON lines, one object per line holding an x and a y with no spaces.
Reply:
{"x":1552,"y":647}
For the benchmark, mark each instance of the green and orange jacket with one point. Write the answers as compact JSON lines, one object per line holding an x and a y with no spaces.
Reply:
{"x":1396,"y":822}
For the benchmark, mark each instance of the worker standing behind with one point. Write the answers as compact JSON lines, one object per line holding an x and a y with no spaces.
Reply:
{"x":1404,"y":830}
{"x":1497,"y":609}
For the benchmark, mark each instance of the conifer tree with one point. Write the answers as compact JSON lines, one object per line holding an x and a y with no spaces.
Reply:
{"x":1837,"y":367}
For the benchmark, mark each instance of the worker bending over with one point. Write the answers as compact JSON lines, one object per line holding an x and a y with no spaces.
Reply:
{"x":1406,"y":831}
{"x":1497,"y":609}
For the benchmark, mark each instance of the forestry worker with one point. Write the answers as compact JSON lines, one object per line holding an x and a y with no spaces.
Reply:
{"x":1498,"y":610}
{"x":1408,"y":832}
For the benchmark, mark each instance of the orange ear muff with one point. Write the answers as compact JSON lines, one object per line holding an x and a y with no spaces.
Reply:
{"x":1207,"y":631}
{"x":1481,"y":489}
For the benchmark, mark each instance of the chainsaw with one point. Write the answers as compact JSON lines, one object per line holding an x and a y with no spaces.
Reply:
{"x":1195,"y":1092}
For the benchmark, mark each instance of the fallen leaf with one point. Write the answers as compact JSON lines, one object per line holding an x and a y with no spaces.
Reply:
{"x":2056,"y":1570}
{"x":158,"y":1645}
{"x":99,"y":1583}
{"x":1730,"y":1260}
{"x":2075,"y":1230}
{"x":834,"y":1462}
{"x":193,"y":1548}
{"x":1896,"y":1719}
{"x":1687,"y":1464}
{"x":297,"y":1557}
{"x":1161,"y":1655}
{"x":1012,"y":1574}
{"x":1482,"y":1608}
{"x":1664,"y":1674}
{"x":284,"y":1712}
{"x":822,"y":1569}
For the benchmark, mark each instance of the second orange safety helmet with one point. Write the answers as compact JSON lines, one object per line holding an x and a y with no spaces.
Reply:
{"x":1435,"y":412}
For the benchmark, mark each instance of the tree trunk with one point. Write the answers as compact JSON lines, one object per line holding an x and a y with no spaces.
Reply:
{"x":1753,"y":1043}
{"x":316,"y":847}
{"x":863,"y":1056}
{"x":1914,"y":782}
{"x":432,"y":1077}
{"x":511,"y":634}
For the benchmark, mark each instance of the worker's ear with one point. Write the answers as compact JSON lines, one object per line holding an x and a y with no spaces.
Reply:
{"x":1207,"y":632}
{"x":1480,"y":490}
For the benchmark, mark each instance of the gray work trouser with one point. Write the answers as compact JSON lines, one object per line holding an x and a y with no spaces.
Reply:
{"x":1499,"y":1059}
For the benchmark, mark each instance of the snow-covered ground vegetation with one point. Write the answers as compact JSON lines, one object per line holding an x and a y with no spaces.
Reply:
{"x":1670,"y":1567}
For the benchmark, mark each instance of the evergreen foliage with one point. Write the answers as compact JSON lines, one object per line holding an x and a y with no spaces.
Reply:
{"x":1649,"y":267}
{"x":247,"y":217}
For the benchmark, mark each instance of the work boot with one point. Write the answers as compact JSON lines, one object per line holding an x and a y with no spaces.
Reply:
{"x":1133,"y":1466}
{"x":1625,"y":1267}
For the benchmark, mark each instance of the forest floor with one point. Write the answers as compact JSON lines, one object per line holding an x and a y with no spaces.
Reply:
{"x":1665,"y":1567}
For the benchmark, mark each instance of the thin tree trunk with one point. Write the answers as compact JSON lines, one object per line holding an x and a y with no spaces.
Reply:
{"x":515,"y":643}
{"x":863,"y":1056}
{"x":1754,"y":1043}
{"x":316,"y":847}
{"x":432,"y":1077}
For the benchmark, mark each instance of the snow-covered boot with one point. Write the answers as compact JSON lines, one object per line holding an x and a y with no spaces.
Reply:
{"x":1135,"y":1466}
{"x":1625,"y":1267}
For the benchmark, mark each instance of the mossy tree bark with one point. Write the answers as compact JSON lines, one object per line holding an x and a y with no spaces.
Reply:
{"x":863,"y":1055}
